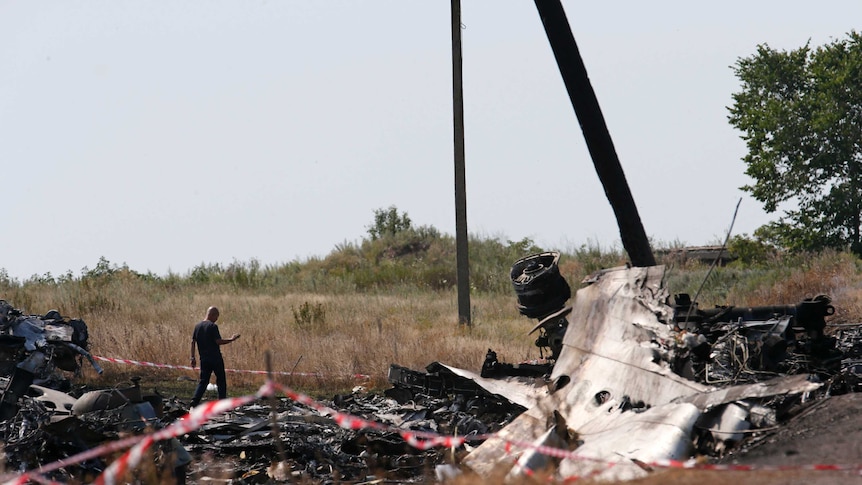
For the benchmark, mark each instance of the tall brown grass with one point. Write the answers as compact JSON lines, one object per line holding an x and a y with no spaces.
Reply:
{"x":339,"y":331}
{"x":357,"y":333}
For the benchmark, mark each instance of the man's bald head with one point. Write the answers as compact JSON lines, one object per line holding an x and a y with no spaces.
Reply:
{"x":212,"y":314}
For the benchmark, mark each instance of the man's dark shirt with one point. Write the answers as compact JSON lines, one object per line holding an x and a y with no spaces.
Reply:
{"x":206,"y":333}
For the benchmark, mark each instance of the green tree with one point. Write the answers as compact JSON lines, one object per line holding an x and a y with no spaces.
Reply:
{"x":800,"y":112}
{"x":387,"y":222}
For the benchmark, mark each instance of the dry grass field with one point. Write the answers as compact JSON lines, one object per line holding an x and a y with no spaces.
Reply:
{"x":314,"y":319}
{"x":336,"y":336}
{"x":340,"y":333}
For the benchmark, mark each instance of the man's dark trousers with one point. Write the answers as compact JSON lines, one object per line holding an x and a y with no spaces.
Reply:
{"x":208,"y":367}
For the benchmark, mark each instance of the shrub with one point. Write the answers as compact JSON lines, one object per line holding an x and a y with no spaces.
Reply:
{"x":309,"y":315}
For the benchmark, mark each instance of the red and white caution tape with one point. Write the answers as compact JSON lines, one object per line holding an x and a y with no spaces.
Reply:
{"x":237,"y":371}
{"x":190,"y":422}
{"x":75,"y":459}
{"x":691,"y":464}
{"x":418,"y":439}
{"x":426,"y":440}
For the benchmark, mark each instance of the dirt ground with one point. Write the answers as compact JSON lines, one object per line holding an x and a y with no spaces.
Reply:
{"x":828,"y":433}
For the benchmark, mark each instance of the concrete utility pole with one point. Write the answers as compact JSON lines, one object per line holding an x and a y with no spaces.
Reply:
{"x":596,"y":134}
{"x":463,"y":260}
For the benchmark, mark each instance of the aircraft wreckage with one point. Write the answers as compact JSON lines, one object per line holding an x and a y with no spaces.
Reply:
{"x":32,"y":347}
{"x":638,"y":376}
{"x":630,"y":374}
{"x":633,"y":375}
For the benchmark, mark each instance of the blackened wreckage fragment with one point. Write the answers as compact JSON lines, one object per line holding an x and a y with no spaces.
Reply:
{"x":32,"y":347}
{"x":641,"y":377}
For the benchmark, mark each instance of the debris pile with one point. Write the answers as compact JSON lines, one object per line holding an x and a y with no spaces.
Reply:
{"x":52,"y":425}
{"x":243,"y":444}
{"x":310,"y":446}
{"x":46,"y":421}
{"x":32,"y":347}
{"x":42,"y":419}
{"x":634,"y":376}
{"x":730,"y":344}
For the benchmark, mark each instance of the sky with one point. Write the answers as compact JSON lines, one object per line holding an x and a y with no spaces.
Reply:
{"x":165,"y":135}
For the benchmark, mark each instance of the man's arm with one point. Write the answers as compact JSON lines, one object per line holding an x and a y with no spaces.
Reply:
{"x":193,"y":352}
{"x":223,"y":341}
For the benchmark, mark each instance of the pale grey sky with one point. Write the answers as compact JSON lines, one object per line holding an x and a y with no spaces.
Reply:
{"x":167,"y":134}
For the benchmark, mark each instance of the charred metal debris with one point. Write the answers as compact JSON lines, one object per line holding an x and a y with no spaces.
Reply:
{"x":721,"y":345}
{"x":712,"y":376}
{"x":43,"y":419}
{"x":49,"y":419}
{"x":32,"y":347}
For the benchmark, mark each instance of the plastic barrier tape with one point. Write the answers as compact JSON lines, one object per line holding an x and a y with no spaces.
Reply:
{"x":192,"y":421}
{"x":238,"y":371}
{"x":418,"y":439}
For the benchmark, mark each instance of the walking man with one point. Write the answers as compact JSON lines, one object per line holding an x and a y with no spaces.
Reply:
{"x":208,"y":340}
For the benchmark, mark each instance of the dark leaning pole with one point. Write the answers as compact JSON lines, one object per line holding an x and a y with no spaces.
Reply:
{"x":595,"y":131}
{"x":462,"y":259}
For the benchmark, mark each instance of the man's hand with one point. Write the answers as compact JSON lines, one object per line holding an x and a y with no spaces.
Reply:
{"x":193,"y":361}
{"x":235,"y":336}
